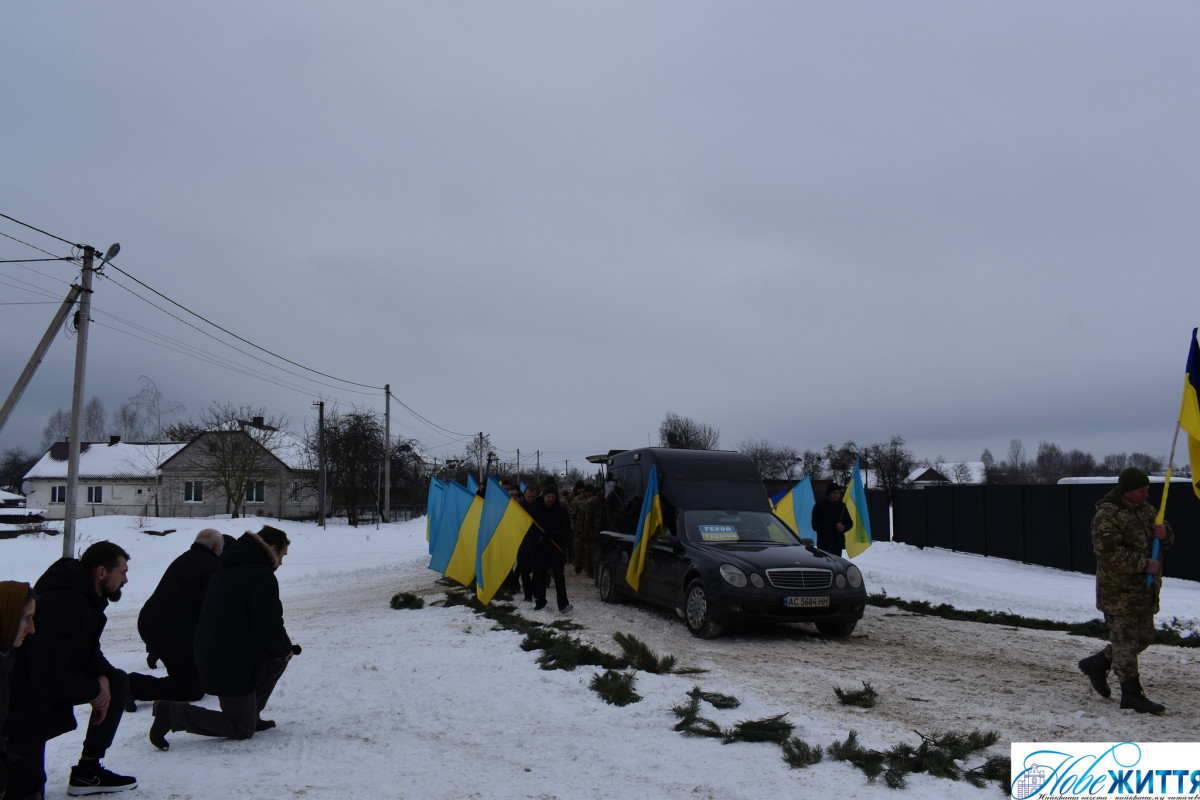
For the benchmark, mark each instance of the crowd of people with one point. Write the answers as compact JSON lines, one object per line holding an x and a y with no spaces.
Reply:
{"x":563,"y":532}
{"x":215,"y":622}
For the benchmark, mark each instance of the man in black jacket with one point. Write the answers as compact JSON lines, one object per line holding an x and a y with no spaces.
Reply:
{"x":241,"y":645}
{"x":60,"y":666}
{"x":830,"y":520}
{"x":168,"y":620}
{"x":553,"y":542}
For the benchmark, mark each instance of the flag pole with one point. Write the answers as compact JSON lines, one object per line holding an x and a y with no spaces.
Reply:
{"x":1162,"y":506}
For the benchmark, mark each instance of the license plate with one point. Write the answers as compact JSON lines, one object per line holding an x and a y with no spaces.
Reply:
{"x":805,"y":602}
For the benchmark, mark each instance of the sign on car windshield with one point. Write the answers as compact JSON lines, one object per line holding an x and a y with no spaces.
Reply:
{"x":718,"y":533}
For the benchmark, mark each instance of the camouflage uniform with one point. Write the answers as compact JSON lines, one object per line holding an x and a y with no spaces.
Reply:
{"x":588,"y":510}
{"x":1122,"y":537}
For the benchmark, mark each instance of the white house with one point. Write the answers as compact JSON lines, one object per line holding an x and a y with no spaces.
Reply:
{"x":114,"y":478}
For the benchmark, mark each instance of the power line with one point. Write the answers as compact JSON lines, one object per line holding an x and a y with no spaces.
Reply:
{"x":39,"y":230}
{"x":239,"y":338}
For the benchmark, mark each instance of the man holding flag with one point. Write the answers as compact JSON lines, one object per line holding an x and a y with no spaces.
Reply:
{"x":1123,"y":532}
{"x":831,"y":520}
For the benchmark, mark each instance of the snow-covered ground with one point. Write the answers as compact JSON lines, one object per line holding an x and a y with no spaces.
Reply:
{"x":436,"y":703}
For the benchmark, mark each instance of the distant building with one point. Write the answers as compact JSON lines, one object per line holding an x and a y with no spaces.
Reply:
{"x":114,"y":478}
{"x":176,"y":479}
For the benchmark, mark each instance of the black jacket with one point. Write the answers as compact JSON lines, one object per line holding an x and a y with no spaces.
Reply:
{"x":555,"y":537}
{"x":167,"y":622}
{"x":59,"y":665}
{"x":241,"y":622}
{"x":6,"y":666}
{"x":825,"y":517}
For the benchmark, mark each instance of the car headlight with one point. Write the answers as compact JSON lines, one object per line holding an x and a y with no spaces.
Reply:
{"x":854,"y":576}
{"x":733,"y":576}
{"x":840,"y":581}
{"x":757,"y":580}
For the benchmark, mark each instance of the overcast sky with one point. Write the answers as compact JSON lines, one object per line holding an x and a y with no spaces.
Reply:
{"x":555,"y":222}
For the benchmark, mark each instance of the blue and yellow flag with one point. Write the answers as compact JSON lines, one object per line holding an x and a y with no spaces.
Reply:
{"x":462,"y":563}
{"x":502,"y":527}
{"x":650,"y":525}
{"x":1189,"y":412}
{"x":443,"y":536}
{"x":858,"y":538}
{"x":795,"y":508}
{"x":472,"y":484}
{"x":433,"y":507}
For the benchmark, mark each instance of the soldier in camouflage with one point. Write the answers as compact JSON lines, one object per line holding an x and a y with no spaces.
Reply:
{"x":1123,"y":532}
{"x":587,"y":520}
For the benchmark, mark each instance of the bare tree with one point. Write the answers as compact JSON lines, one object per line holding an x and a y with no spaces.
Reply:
{"x":14,"y":463}
{"x":1050,"y":463}
{"x":57,"y":429}
{"x":354,"y":454}
{"x":779,"y":463}
{"x":685,"y":433}
{"x":841,"y":461}
{"x":960,"y":472}
{"x":95,"y":421}
{"x":238,"y":447}
{"x":811,"y":462}
{"x":990,"y":470}
{"x":1146,"y":463}
{"x":145,"y":415}
{"x":890,"y":463}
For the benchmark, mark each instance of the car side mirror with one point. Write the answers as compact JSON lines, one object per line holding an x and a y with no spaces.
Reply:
{"x":807,"y":541}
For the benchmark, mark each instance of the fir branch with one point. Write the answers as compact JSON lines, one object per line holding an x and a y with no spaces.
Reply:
{"x":863,"y":698}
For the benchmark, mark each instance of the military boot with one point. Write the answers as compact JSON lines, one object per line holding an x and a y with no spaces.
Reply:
{"x":1133,"y":697}
{"x":1096,"y":668}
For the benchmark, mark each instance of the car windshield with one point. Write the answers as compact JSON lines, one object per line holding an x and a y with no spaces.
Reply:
{"x":721,"y":527}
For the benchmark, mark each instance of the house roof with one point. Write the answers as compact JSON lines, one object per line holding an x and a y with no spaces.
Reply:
{"x":123,"y":460}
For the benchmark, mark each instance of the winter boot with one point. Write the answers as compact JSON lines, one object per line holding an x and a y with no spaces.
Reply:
{"x":1096,"y":668}
{"x":160,"y":726}
{"x":1133,"y":697}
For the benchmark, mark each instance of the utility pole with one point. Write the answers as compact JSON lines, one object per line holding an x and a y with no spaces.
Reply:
{"x":538,"y":453}
{"x":481,"y":457}
{"x":518,"y":468}
{"x":320,"y":404}
{"x":81,"y":328}
{"x":387,"y":452}
{"x":38,"y":354}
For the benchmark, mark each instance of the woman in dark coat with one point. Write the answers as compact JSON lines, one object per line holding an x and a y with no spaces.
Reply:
{"x":241,"y":645}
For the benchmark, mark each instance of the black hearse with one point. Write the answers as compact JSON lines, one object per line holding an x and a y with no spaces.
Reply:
{"x":724,"y":556}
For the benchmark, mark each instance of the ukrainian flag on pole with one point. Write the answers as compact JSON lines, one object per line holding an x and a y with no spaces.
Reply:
{"x":650,"y":525}
{"x":1189,"y":412}
{"x":858,"y":538}
{"x":795,"y":508}
{"x":502,"y":527}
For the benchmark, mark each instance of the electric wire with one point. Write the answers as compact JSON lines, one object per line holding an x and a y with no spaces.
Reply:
{"x":239,"y":338}
{"x":39,"y":230}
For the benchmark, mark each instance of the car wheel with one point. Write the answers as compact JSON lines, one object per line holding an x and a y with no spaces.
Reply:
{"x":695,"y":612}
{"x":607,"y":582}
{"x":836,"y":630}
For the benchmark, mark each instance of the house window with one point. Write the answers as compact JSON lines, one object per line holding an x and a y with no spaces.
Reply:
{"x":295,"y":496}
{"x":254,"y":491}
{"x":58,"y":494}
{"x":193,"y":491}
{"x":95,"y":494}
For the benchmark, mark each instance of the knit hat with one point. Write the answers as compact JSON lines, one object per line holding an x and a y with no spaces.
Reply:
{"x":549,"y":488}
{"x":14,"y":595}
{"x":1131,"y":480}
{"x":832,"y":487}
